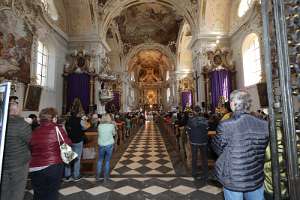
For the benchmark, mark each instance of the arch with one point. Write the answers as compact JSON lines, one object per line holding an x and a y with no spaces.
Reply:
{"x":114,"y":8}
{"x":183,"y":49}
{"x":149,"y":46}
{"x":251,"y":55}
{"x":244,"y":6}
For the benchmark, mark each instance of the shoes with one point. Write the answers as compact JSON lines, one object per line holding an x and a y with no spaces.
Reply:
{"x":67,"y":179}
{"x":77,"y":179}
{"x":106,"y":180}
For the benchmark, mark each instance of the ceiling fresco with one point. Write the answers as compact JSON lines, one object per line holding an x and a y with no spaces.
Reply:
{"x":148,"y":22}
{"x":149,"y":59}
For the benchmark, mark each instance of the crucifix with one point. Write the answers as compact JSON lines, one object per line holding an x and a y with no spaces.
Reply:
{"x":196,"y":77}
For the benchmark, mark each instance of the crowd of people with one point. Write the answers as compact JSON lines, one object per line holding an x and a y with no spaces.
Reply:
{"x":239,"y":144}
{"x":32,"y":146}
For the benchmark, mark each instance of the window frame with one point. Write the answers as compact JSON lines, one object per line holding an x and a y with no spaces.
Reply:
{"x":42,"y":65}
{"x":251,"y":47}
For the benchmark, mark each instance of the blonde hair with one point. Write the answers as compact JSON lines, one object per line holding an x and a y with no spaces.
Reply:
{"x":106,"y":118}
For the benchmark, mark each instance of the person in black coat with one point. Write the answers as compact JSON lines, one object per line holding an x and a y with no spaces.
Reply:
{"x":197,"y":128}
{"x":241,"y":142}
{"x":75,"y":132}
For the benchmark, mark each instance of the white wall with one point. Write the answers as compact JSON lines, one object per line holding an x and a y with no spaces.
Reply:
{"x":251,"y":23}
{"x":52,"y":94}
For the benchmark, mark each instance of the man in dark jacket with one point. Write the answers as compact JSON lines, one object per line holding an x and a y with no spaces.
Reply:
{"x":16,"y":155}
{"x":197,"y":128}
{"x":240,"y":143}
{"x":76,"y":134}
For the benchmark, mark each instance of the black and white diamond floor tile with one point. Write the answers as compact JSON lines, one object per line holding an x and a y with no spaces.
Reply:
{"x":149,"y":188}
{"x":145,"y":171}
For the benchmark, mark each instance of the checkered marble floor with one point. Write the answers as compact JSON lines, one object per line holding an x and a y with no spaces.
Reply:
{"x":141,"y":188}
{"x":146,"y":155}
{"x":144,"y":171}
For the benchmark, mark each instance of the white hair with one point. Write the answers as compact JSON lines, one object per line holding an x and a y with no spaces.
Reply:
{"x":240,"y":100}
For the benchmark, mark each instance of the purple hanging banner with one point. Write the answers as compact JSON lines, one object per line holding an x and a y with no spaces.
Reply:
{"x":220,"y":86}
{"x":186,"y":98}
{"x":79,"y":87}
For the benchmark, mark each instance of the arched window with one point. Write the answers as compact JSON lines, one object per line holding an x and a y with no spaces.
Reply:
{"x":167,"y":75}
{"x":244,"y":7}
{"x":42,"y":64}
{"x":168,"y":94}
{"x":251,"y":60}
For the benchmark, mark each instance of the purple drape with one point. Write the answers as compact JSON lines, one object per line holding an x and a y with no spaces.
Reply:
{"x":186,"y":97}
{"x":79,"y":87}
{"x":220,"y":86}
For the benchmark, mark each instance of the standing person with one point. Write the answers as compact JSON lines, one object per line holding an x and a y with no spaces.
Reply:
{"x":198,"y":129}
{"x":128,"y":124}
{"x":76,"y":134}
{"x":46,"y":165}
{"x":35,"y":122}
{"x":106,"y":132}
{"x":240,"y":143}
{"x":16,"y":154}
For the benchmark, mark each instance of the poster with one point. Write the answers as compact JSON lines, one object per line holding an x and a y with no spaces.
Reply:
{"x":4,"y":100}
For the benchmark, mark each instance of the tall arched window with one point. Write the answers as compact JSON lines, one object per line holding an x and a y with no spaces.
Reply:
{"x":251,"y":60}
{"x":42,"y":64}
{"x":244,"y":7}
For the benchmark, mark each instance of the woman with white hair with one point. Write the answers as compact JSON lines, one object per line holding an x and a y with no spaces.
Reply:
{"x":106,"y":132}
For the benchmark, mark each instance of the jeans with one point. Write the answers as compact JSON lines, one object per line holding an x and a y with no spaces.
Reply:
{"x":104,"y":152}
{"x":257,"y":194}
{"x":46,"y":183}
{"x":204,"y":164}
{"x":13,"y":183}
{"x":77,"y":147}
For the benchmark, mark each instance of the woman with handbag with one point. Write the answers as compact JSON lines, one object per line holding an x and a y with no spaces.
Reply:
{"x":46,"y":164}
{"x":106,"y":132}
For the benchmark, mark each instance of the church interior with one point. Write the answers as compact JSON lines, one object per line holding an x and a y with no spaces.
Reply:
{"x":147,"y":61}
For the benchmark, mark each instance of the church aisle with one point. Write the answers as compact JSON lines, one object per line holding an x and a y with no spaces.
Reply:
{"x":146,"y":155}
{"x":145,"y":171}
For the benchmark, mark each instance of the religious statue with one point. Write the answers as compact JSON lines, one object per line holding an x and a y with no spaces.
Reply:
{"x":77,"y":106}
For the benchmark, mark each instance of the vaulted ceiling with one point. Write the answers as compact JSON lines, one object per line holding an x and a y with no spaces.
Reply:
{"x":149,"y":59}
{"x":148,"y":22}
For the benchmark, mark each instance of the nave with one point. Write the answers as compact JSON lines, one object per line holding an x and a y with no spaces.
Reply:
{"x":148,"y":169}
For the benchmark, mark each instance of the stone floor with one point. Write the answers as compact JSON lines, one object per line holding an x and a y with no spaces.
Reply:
{"x":146,"y":168}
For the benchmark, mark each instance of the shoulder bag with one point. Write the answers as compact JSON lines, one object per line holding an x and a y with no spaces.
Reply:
{"x":66,"y":152}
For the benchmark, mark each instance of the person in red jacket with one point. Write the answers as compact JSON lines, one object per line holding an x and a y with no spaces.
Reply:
{"x":46,"y":166}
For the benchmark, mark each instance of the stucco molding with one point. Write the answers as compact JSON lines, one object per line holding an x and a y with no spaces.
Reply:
{"x":114,"y":8}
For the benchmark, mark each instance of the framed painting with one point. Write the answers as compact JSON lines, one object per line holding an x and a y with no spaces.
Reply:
{"x":32,"y":98}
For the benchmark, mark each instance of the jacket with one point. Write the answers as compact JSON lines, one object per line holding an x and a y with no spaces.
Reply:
{"x":197,"y":129}
{"x":16,"y":151}
{"x":45,"y":149}
{"x":241,"y":143}
{"x":74,"y":129}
